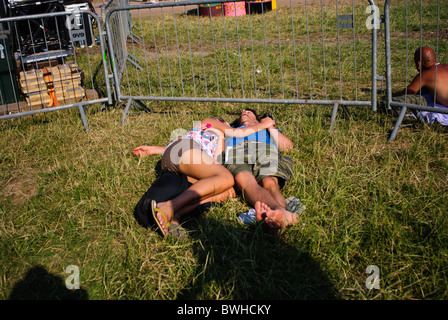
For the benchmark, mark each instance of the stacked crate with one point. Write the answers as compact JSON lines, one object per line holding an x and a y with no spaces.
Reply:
{"x":52,"y":86}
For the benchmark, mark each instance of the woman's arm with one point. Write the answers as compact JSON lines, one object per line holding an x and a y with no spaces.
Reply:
{"x":145,"y":151}
{"x":265,"y":123}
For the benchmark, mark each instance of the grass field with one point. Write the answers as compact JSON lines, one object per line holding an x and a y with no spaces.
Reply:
{"x":67,"y":199}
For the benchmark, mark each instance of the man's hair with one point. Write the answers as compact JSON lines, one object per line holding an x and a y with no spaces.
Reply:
{"x":236,"y":123}
{"x":427,"y":55}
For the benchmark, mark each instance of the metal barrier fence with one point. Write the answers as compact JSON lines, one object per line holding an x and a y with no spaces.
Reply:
{"x":310,"y":52}
{"x":50,"y":62}
{"x":121,"y":25}
{"x":410,"y":25}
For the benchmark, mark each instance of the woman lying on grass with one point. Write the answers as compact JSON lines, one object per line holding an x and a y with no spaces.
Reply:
{"x":195,"y":155}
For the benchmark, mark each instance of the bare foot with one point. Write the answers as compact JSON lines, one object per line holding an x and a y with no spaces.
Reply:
{"x":275,"y":218}
{"x":165,"y":217}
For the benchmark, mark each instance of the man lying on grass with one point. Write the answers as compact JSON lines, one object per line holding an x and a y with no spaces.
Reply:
{"x":260,"y":170}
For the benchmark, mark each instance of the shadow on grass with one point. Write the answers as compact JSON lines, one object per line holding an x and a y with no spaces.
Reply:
{"x":39,"y":284}
{"x":236,"y":262}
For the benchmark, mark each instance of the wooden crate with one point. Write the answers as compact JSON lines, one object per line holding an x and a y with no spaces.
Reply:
{"x":65,"y":80}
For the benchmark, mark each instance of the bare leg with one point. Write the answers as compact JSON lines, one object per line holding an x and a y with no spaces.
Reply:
{"x":230,"y":193}
{"x":253,"y":192}
{"x":271,"y":185}
{"x":212,"y":180}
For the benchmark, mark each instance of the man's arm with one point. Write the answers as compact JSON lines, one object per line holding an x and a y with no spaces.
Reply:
{"x":283,"y":142}
{"x":414,"y":86}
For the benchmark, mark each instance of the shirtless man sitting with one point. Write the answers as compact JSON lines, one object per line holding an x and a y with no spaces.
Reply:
{"x":425,"y":81}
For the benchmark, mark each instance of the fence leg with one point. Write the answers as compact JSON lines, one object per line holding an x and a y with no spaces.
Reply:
{"x":136,"y":103}
{"x":333,"y":115}
{"x":397,"y":124}
{"x":126,"y":111}
{"x":347,"y":113}
{"x":82,"y":111}
{"x":141,"y":105}
{"x":419,"y":116}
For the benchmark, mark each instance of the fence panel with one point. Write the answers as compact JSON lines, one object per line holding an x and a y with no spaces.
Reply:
{"x":410,"y":25}
{"x":306,"y":52}
{"x":121,"y":24}
{"x":51,"y":62}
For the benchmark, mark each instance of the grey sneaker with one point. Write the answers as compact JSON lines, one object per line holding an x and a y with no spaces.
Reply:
{"x":294,"y":205}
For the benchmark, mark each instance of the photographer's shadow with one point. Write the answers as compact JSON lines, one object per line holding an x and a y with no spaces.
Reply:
{"x":39,"y":284}
{"x":237,"y":262}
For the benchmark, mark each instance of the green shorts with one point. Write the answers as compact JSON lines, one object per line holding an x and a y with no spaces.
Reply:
{"x":260,"y":159}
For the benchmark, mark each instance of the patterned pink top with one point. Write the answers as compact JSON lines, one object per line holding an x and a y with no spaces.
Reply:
{"x":208,"y":140}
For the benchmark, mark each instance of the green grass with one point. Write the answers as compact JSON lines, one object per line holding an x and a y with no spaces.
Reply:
{"x":67,"y":198}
